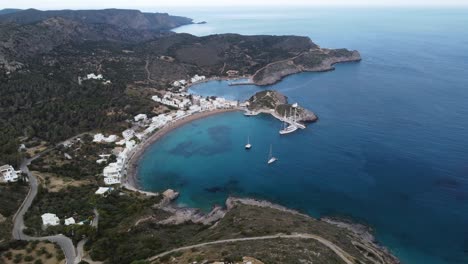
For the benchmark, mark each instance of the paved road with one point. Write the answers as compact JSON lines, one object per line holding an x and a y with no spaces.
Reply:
{"x":80,"y":245}
{"x":348,"y":259}
{"x":64,"y":242}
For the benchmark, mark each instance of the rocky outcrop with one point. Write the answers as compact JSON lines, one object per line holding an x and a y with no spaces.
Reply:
{"x":275,"y":103}
{"x":360,"y":236}
{"x":266,"y":100}
{"x":183,"y":215}
{"x":364,"y":241}
{"x":167,"y":197}
{"x":314,"y":60}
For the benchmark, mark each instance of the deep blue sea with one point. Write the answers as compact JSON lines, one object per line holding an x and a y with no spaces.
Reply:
{"x":390,"y":148}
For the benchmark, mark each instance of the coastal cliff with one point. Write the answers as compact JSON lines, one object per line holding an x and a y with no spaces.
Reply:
{"x":275,"y":103}
{"x":314,"y":60}
{"x":247,"y":219}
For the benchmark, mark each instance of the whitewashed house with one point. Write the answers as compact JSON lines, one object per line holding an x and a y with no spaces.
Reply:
{"x":128,"y":134}
{"x":197,"y":78}
{"x":140,"y":117}
{"x":92,"y":76}
{"x":103,"y":190}
{"x":8,"y":173}
{"x":194,"y":109}
{"x":99,"y":138}
{"x":180,"y":114}
{"x":112,"y":174}
{"x":69,"y":221}
{"x":49,"y":219}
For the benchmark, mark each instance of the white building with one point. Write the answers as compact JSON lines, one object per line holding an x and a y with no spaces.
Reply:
{"x":8,"y":173}
{"x":180,"y":114}
{"x":103,"y":190}
{"x":121,"y":142}
{"x":179,"y":83}
{"x":94,"y":77}
{"x":49,"y":219}
{"x":197,"y":78}
{"x":194,"y":109}
{"x":174,"y":100}
{"x":111,"y":181}
{"x":140,"y":117}
{"x":99,"y":138}
{"x":69,"y":221}
{"x":100,"y":161}
{"x":112,"y":173}
{"x":128,"y":134}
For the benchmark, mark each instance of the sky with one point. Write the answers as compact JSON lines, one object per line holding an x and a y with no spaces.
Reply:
{"x":93,"y":4}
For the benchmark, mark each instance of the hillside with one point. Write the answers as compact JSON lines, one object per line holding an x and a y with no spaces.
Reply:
{"x":122,"y":18}
{"x":296,"y":238}
{"x":44,"y":53}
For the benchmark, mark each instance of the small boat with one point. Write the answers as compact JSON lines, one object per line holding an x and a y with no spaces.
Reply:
{"x":288,"y":129}
{"x":248,"y":145}
{"x":250,"y":113}
{"x":271,"y":159}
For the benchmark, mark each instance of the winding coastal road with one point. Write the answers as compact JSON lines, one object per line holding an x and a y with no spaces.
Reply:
{"x":348,"y":259}
{"x":64,"y":242}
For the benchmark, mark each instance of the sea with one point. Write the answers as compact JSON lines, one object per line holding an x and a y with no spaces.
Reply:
{"x":390,"y":148}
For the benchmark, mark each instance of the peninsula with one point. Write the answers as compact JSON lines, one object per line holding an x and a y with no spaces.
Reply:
{"x":276,"y":104}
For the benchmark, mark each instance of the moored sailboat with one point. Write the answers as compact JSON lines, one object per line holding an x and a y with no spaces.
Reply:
{"x":271,"y":159}
{"x":291,"y":127}
{"x":248,"y":145}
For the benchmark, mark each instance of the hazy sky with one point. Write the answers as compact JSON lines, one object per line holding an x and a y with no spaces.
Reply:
{"x":60,"y":4}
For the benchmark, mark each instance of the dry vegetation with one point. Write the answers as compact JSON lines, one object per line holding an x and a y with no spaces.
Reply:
{"x":34,"y":252}
{"x":269,"y":251}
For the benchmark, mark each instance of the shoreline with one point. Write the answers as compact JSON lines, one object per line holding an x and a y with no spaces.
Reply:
{"x":130,"y":180}
{"x":220,"y":79}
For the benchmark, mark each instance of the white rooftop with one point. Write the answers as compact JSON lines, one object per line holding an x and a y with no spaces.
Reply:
{"x":103,"y":190}
{"x":49,"y":219}
{"x":69,"y":221}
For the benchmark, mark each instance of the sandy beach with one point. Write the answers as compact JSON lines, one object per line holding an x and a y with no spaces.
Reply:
{"x":130,"y":180}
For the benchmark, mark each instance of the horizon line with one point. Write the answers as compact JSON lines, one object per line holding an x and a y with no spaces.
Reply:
{"x":243,"y":5}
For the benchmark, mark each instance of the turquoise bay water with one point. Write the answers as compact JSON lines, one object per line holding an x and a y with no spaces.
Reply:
{"x":390,"y":148}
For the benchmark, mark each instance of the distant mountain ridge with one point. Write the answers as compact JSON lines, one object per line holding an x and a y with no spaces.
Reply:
{"x":27,"y":33}
{"x":122,"y":18}
{"x":9,"y":11}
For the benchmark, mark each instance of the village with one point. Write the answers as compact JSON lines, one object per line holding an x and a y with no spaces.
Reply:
{"x":182,"y":105}
{"x":143,"y":126}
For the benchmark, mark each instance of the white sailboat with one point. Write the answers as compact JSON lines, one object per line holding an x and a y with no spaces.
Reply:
{"x":248,"y":145}
{"x":290,"y":128}
{"x":271,"y":159}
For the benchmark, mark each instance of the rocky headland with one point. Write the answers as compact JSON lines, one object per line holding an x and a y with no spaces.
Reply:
{"x":314,"y":60}
{"x":356,"y":238}
{"x":276,"y":104}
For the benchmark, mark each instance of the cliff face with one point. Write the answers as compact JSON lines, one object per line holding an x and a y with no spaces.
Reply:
{"x":314,"y":60}
{"x":273,"y":102}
